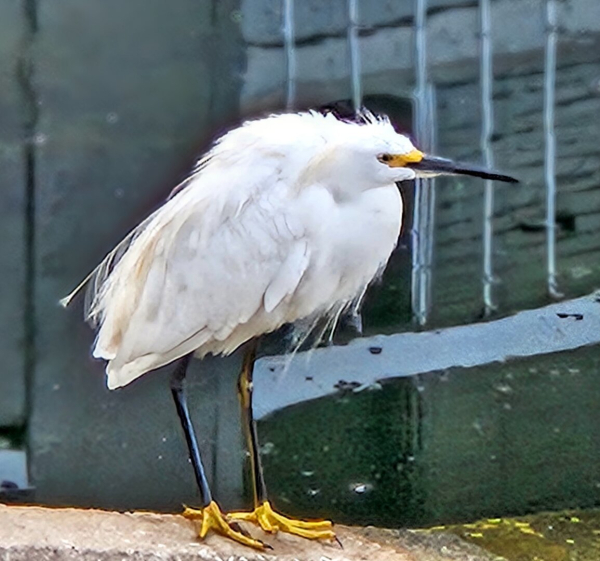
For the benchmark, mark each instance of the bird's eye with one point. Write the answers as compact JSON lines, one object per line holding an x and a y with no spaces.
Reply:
{"x":384,"y":158}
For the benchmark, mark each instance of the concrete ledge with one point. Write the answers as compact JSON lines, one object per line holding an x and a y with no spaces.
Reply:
{"x":34,"y":533}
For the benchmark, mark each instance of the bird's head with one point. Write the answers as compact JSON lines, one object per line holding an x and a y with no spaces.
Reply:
{"x":347,"y":156}
{"x":374,"y":154}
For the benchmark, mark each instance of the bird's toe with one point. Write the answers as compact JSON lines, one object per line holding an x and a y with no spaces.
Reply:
{"x":211,"y":518}
{"x":272,"y":522}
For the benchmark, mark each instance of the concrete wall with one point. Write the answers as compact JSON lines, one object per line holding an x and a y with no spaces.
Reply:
{"x":519,"y":239}
{"x":386,"y":43}
{"x":13,"y":218}
{"x":104,"y":107}
{"x":129,"y":97}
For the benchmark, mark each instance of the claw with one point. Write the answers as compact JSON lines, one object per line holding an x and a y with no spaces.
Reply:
{"x":272,"y":522}
{"x":212,"y":518}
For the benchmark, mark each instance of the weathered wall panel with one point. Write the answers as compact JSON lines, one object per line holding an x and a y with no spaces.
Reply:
{"x":127,"y":93}
{"x":12,"y":218}
{"x":511,"y":437}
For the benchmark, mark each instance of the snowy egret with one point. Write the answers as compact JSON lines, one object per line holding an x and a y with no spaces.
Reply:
{"x":286,"y":218}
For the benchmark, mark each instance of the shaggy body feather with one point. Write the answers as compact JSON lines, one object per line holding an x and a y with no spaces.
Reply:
{"x":271,"y":228}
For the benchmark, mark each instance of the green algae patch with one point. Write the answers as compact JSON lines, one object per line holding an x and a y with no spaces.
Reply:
{"x":562,"y":536}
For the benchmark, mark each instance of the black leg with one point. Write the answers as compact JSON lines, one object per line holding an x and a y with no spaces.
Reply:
{"x":249,"y":425}
{"x":179,"y":396}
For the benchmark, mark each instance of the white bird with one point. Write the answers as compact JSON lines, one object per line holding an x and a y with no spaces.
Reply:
{"x":288,"y":217}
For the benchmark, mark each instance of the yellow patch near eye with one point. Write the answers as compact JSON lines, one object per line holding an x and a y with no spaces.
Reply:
{"x":400,"y":160}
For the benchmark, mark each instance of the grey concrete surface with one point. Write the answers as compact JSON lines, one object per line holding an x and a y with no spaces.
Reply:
{"x":387,"y":50}
{"x":313,"y":19}
{"x":12,"y":217}
{"x":128,"y":93}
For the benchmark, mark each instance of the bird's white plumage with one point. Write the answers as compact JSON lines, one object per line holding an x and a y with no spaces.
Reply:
{"x":287,"y":217}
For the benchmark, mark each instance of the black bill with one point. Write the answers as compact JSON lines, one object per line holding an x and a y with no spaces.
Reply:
{"x":432,"y":166}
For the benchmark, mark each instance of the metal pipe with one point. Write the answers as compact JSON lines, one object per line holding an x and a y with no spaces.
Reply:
{"x":430,"y":146}
{"x":550,"y":146}
{"x":289,"y":41}
{"x":487,"y":129}
{"x":424,"y":198}
{"x":354,"y":48}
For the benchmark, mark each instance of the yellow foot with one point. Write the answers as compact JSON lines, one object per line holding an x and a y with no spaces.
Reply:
{"x":212,"y":518}
{"x":270,"y":521}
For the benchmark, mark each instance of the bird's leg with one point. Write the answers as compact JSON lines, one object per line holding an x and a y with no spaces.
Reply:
{"x":209,"y":516}
{"x":263,"y":514}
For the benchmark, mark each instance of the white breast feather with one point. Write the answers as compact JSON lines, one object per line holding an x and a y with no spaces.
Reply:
{"x":214,"y":265}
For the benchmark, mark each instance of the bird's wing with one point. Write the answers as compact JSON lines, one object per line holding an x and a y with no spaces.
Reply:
{"x":287,"y":278}
{"x":200,"y":269}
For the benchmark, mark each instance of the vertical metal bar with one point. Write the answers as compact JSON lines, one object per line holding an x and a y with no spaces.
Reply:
{"x":357,"y":103}
{"x":430,"y":146}
{"x":289,"y":42}
{"x":424,"y":199}
{"x":416,"y":255}
{"x":487,"y":129}
{"x":355,"y":65}
{"x":420,"y":65}
{"x":550,"y":145}
{"x":420,"y":60}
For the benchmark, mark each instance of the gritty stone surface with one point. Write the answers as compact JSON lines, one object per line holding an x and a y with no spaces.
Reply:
{"x":44,"y":534}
